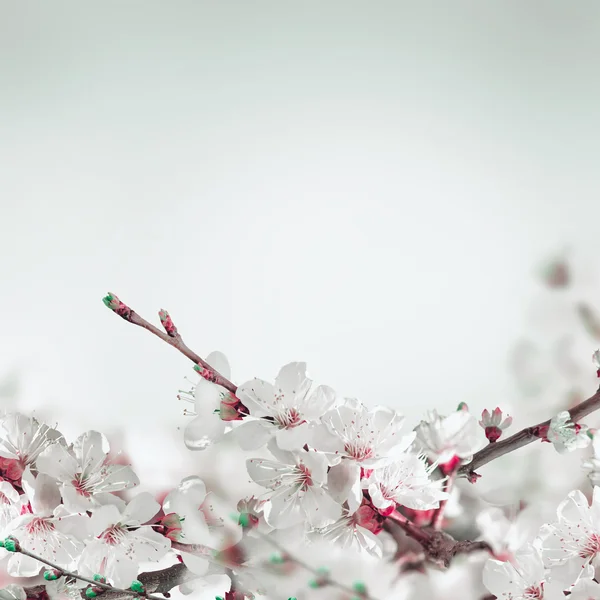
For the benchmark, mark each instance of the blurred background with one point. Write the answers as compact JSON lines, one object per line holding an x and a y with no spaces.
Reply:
{"x":374,"y":188}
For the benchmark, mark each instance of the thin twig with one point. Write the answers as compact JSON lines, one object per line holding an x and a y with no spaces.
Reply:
{"x":312,"y":570}
{"x":94,"y":583}
{"x":523,"y":437}
{"x":173,"y":338}
{"x":438,"y":515}
{"x":439,"y":546}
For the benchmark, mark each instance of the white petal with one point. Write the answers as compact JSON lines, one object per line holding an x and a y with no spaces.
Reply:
{"x":253,"y":434}
{"x":91,"y":449}
{"x":57,"y":462}
{"x":141,"y":509}
{"x":219,"y":361}
{"x":204,"y":431}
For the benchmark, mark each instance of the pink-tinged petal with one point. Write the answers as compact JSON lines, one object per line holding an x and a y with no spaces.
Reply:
{"x":485,"y":418}
{"x":252,"y":435}
{"x":103,"y":517}
{"x":506,"y":423}
{"x":378,"y":499}
{"x":141,"y":509}
{"x":316,"y":464}
{"x":496,"y":417}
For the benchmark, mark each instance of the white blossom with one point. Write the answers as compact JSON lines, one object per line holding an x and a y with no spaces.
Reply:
{"x":284,"y":410}
{"x":207,"y":426}
{"x":297,"y":493}
{"x":524,"y":578}
{"x":24,"y":438}
{"x":446,"y":438}
{"x":565,"y":436}
{"x":370,"y":437}
{"x":592,"y":464}
{"x":573,"y":542}
{"x":121,"y":541}
{"x":50,"y":531}
{"x":406,"y":481}
{"x":87,"y":478}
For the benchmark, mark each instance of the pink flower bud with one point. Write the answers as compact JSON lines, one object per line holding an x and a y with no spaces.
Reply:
{"x":493,"y":424}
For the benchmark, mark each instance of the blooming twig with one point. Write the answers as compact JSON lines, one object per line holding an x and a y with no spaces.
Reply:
{"x":12,"y":545}
{"x":345,"y":588}
{"x":439,"y":546}
{"x":172,"y":337}
{"x":523,"y":437}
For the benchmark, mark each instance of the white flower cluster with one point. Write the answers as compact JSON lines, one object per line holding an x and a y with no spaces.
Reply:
{"x":562,"y":559}
{"x":332,"y":473}
{"x":62,"y":504}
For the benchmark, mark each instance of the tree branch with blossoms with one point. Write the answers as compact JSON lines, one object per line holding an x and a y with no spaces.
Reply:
{"x":524,"y":437}
{"x":171,"y":337}
{"x":334,"y":472}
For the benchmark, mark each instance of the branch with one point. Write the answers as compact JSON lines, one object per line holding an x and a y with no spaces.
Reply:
{"x":153,"y":581}
{"x":522,"y":438}
{"x":439,"y":546}
{"x":160,"y":582}
{"x":171,"y":337}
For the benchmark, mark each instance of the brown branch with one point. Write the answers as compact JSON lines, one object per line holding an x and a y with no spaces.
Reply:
{"x":172,"y":337}
{"x":522,"y":438}
{"x":439,"y":546}
{"x":158,"y":582}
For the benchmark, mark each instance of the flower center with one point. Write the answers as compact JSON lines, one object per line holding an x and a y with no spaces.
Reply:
{"x":591,"y":547}
{"x":80,"y":485}
{"x":288,"y":418}
{"x":113,"y":535}
{"x":358,"y":451}
{"x":38,"y":526}
{"x":534,"y":592}
{"x":305,"y":478}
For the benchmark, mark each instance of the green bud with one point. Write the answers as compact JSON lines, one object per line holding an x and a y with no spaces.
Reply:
{"x":90,"y":593}
{"x":137,"y":586}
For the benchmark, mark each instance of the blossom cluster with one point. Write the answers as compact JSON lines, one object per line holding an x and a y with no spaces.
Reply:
{"x":330,"y":472}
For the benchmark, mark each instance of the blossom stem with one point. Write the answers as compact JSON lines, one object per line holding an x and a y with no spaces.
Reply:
{"x":174,"y":339}
{"x":307,"y":567}
{"x":158,"y":581}
{"x":523,"y":437}
{"x":99,"y":584}
{"x":438,"y":515}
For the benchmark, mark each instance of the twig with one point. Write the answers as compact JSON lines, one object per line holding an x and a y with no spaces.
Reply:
{"x":307,"y":567}
{"x":438,"y":515}
{"x":522,"y":438}
{"x":99,"y":584}
{"x":439,"y":546}
{"x":172,"y":337}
